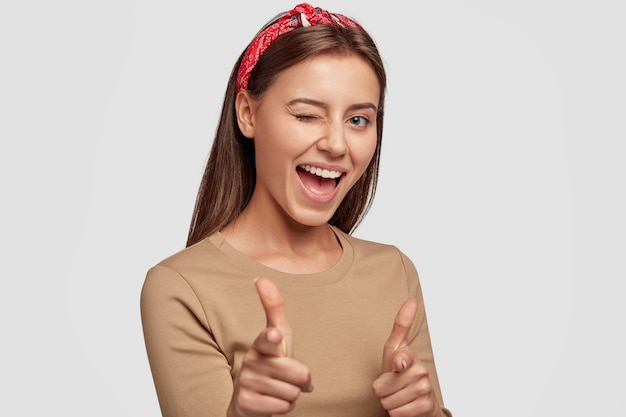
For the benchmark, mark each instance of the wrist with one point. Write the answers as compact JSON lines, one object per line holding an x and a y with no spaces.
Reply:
{"x":439,"y":411}
{"x":232,"y":411}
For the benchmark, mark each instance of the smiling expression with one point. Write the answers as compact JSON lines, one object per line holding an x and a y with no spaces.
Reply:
{"x":314,"y":131}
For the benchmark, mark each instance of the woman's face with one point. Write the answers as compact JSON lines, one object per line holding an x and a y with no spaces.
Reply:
{"x":314,"y":132}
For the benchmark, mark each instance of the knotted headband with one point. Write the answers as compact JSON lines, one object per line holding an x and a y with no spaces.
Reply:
{"x":303,"y":15}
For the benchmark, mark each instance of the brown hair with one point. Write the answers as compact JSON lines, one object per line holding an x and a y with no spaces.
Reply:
{"x":230,"y":174}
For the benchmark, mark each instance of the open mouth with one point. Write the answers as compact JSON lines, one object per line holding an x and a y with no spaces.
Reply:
{"x":318,"y":180}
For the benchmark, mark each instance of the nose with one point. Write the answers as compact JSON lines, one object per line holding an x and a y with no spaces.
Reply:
{"x":334,"y":140}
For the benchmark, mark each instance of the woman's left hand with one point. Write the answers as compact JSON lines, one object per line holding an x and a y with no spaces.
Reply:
{"x":404,"y":388}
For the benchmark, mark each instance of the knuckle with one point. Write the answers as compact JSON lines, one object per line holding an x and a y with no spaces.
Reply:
{"x":285,"y":407}
{"x":245,"y":378}
{"x":424,"y":388}
{"x":385,"y":403}
{"x":425,"y":404}
{"x":292,"y":394}
{"x":303,"y":375}
{"x":421,"y":370}
{"x":422,"y":385}
{"x":376,"y":389}
{"x":245,"y":400}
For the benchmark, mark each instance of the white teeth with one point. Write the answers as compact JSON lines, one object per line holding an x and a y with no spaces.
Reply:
{"x":324,"y":173}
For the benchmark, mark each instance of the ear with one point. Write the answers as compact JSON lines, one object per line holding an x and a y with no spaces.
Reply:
{"x":244,"y":107}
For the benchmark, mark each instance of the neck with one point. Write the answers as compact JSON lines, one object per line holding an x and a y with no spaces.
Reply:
{"x":283,"y":245}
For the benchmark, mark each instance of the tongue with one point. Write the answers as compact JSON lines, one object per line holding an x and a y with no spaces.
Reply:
{"x":316,"y":184}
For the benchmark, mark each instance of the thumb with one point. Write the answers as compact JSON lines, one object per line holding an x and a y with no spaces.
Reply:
{"x":273,"y":305}
{"x":399,"y":333}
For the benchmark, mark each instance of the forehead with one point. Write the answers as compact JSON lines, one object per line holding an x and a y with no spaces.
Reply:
{"x":330,"y":76}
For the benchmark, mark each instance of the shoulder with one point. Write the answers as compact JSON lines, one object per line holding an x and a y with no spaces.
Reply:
{"x":385,"y":264}
{"x":188,"y":258}
{"x":369,"y":248}
{"x":196,"y":262}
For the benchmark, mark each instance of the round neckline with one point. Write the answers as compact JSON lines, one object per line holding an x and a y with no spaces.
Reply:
{"x":333,"y":274}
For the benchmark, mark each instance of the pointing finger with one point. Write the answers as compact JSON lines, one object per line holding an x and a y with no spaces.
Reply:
{"x":398,"y":337}
{"x":269,"y":342}
{"x":272,"y":302}
{"x":402,"y":359}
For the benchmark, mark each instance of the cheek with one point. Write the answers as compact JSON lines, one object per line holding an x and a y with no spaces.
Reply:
{"x":279,"y":137}
{"x":363,"y":153}
{"x":275,"y":150}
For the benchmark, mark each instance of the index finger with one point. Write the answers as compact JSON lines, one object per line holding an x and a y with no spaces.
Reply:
{"x":273,"y":305}
{"x":400,"y":332}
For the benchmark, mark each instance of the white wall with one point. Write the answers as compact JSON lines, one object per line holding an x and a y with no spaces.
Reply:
{"x":502,"y":178}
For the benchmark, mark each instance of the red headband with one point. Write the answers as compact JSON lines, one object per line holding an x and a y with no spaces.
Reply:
{"x":302,"y":15}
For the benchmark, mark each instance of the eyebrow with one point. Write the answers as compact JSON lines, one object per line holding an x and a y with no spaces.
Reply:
{"x":321,"y":104}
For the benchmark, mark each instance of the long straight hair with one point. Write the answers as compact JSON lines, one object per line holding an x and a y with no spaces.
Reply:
{"x":230,"y":173}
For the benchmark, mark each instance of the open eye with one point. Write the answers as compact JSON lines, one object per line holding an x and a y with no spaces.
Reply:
{"x":359,"y":121}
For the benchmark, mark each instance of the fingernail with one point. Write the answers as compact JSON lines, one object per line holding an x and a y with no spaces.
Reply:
{"x":310,"y":389}
{"x":404,"y":364}
{"x":255,"y":279}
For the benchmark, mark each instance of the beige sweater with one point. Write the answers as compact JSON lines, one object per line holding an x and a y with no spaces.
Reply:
{"x":200,"y":314}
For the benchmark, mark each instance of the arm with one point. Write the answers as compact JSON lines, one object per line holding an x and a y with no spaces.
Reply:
{"x":191,"y":375}
{"x":270,"y":381}
{"x":408,"y":385}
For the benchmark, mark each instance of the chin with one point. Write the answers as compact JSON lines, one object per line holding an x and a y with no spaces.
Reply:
{"x":313,"y":219}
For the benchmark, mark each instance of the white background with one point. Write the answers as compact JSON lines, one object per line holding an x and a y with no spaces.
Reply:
{"x":502,"y":178}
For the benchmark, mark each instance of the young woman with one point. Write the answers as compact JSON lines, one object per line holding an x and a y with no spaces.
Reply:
{"x":272,"y":295}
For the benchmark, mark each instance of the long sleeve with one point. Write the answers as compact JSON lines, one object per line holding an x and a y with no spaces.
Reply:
{"x":201,"y":313}
{"x":191,"y":376}
{"x":421,"y":341}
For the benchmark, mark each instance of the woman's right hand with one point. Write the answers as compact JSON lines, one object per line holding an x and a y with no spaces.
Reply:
{"x":270,"y":380}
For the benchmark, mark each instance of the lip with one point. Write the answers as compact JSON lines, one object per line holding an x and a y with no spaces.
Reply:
{"x":324,"y":166}
{"x":318,"y":197}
